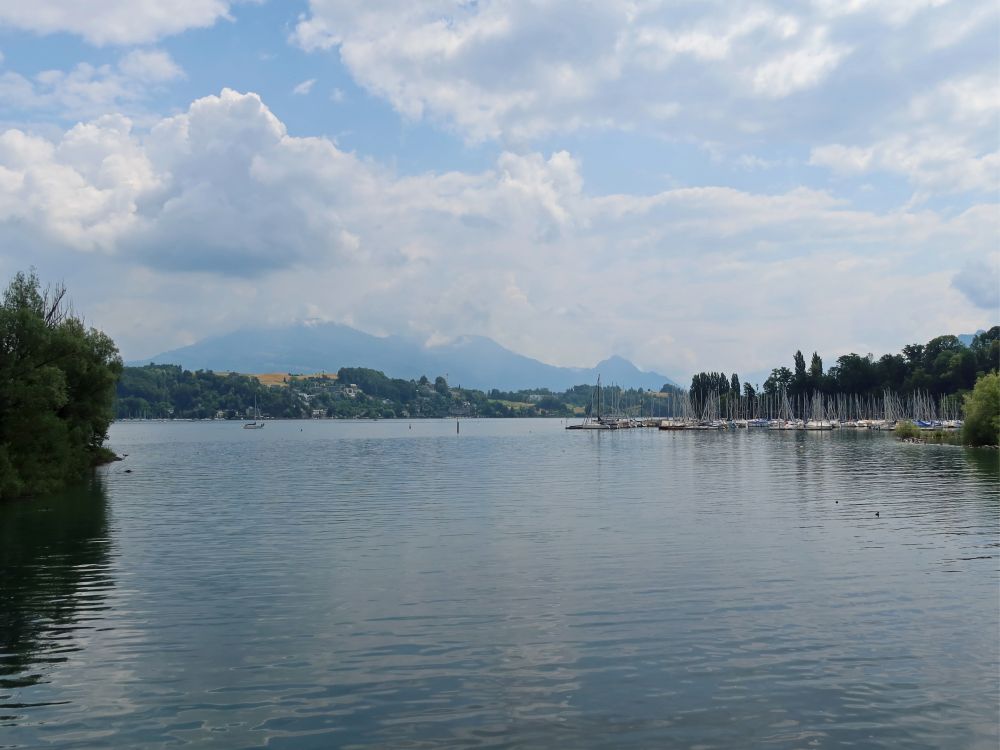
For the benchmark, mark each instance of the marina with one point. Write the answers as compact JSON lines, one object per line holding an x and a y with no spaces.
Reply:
{"x":816,"y":412}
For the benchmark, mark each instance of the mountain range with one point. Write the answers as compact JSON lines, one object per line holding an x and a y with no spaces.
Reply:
{"x":468,"y":361}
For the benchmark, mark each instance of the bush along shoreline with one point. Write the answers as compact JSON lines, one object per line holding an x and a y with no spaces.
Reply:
{"x":981,"y":428}
{"x":57,"y":386}
{"x":982,"y":412}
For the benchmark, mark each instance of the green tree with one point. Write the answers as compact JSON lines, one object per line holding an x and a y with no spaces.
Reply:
{"x":938,"y":345}
{"x":986,"y":348}
{"x":800,"y":378}
{"x":959,"y":372}
{"x":855,"y":374}
{"x":892,"y":371}
{"x":551,"y":404}
{"x":982,"y":412}
{"x":57,"y":381}
{"x":779,"y":379}
{"x":816,"y":372}
{"x":914,"y":354}
{"x":816,"y":366}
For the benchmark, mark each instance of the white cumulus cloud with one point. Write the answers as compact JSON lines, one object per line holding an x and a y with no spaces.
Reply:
{"x":87,"y":91}
{"x":80,"y":191}
{"x":305,"y":87}
{"x":514,"y":70}
{"x":152,"y":65}
{"x":945,"y":140}
{"x":113,"y":21}
{"x":798,"y":69}
{"x":220,"y":203}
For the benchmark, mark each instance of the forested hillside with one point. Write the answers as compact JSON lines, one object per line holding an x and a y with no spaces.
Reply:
{"x":168,"y":391}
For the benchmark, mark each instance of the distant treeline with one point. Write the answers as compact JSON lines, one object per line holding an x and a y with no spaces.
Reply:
{"x":942,"y":366}
{"x":168,"y":391}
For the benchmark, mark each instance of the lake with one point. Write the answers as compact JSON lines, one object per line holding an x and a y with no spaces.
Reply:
{"x":393,"y":584}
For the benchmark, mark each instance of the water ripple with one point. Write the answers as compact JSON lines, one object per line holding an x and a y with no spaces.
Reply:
{"x":337,"y":584}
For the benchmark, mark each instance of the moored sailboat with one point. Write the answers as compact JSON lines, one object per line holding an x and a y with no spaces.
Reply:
{"x":600,"y":423}
{"x":255,"y":425}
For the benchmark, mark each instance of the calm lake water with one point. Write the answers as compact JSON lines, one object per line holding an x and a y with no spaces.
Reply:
{"x":368,"y":584}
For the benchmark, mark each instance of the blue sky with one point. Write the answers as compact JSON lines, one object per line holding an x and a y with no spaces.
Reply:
{"x":690,"y":185}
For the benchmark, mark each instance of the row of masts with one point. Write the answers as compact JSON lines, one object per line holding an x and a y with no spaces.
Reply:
{"x":837,"y":407}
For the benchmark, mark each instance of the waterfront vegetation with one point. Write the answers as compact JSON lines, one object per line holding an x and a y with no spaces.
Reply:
{"x":941,"y":380}
{"x":982,"y":412}
{"x":57,"y":384}
{"x":943,"y":366}
{"x":929,"y":381}
{"x":58,"y":391}
{"x":168,"y":391}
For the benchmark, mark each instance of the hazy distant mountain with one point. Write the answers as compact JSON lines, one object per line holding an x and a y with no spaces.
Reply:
{"x":470,"y":361}
{"x":966,"y":338}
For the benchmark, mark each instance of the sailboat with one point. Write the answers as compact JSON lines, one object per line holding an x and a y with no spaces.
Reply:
{"x":819,"y":420}
{"x":595,"y":424}
{"x":785,"y":420}
{"x":254,"y":425}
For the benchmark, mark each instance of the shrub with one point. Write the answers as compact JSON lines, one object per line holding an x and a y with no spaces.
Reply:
{"x":982,"y":412}
{"x":906,"y":430}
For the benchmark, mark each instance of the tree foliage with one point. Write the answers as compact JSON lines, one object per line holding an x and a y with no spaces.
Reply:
{"x":982,"y":412}
{"x":779,"y":379}
{"x":170,"y":392}
{"x":800,"y":380}
{"x":942,"y":366}
{"x":57,"y":381}
{"x":165,"y":391}
{"x":705,"y":383}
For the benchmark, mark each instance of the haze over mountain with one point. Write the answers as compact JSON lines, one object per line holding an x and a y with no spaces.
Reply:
{"x":569,"y":179}
{"x":966,"y":338}
{"x":469,"y":361}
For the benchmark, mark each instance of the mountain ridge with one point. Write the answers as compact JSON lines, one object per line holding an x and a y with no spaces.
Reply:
{"x":470,"y":361}
{"x":966,"y":338}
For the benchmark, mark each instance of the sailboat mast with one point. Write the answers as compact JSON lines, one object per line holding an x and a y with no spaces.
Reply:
{"x":598,"y":398}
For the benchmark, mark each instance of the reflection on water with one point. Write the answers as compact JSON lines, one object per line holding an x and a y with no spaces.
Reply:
{"x":339,"y":584}
{"x":986,"y":463}
{"x":54,"y":572}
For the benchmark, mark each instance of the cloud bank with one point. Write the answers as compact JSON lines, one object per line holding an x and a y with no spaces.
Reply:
{"x":219,"y":202}
{"x":514,"y":70}
{"x":113,"y":21}
{"x":87,"y":91}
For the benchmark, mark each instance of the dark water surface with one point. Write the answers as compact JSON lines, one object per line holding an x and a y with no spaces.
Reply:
{"x":337,"y":584}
